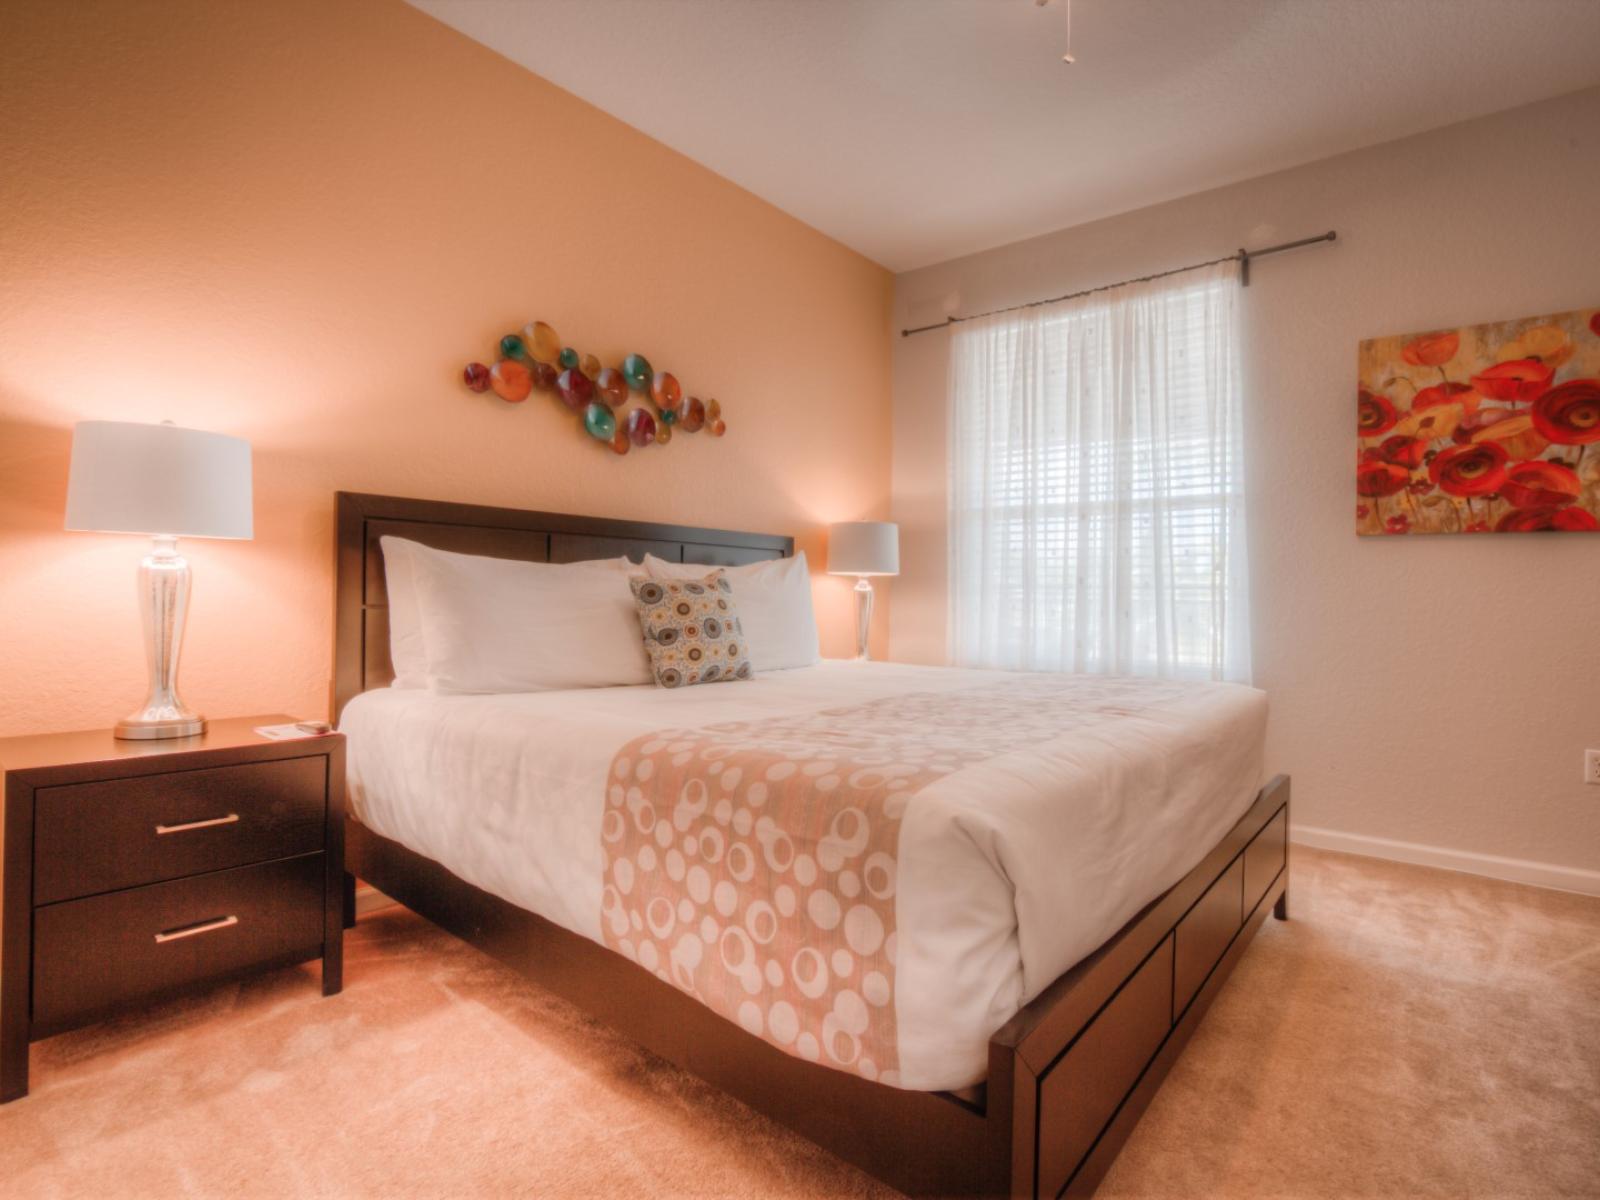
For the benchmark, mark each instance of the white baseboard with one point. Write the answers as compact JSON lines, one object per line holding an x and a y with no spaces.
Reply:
{"x":370,"y":899}
{"x":1516,"y":870}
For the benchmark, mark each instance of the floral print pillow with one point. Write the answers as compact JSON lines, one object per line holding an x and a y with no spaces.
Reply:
{"x":691,"y":630}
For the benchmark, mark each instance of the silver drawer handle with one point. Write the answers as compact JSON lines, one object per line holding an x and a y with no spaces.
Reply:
{"x":187,"y":931}
{"x":230,"y":819}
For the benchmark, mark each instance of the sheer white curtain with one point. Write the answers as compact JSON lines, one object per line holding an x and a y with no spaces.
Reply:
{"x":1096,"y":498}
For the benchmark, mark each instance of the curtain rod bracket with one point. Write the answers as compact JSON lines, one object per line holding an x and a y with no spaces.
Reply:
{"x":1244,"y":267}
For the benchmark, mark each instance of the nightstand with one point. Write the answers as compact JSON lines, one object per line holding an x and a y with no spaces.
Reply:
{"x":135,"y":870}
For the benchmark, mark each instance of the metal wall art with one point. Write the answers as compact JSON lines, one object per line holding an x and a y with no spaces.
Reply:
{"x":534,"y":359}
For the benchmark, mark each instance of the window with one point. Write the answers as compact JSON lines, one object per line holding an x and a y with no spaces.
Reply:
{"x":1097,"y":518}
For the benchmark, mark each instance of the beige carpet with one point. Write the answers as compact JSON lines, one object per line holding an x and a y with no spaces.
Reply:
{"x":1439,"y":1035}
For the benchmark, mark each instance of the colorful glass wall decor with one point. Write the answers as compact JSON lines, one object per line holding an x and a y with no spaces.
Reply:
{"x":535,"y":358}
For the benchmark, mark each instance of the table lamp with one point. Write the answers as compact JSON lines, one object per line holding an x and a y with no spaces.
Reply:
{"x":168,"y":483}
{"x":862,"y":549}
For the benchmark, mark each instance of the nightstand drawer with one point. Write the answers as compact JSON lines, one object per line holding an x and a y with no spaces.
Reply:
{"x":91,"y":956}
{"x":99,"y":837}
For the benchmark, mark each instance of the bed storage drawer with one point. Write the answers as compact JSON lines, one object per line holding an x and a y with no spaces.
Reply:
{"x":1080,"y":1092}
{"x":94,"y":955}
{"x":118,"y":833}
{"x":1204,"y":934}
{"x":1264,"y":858}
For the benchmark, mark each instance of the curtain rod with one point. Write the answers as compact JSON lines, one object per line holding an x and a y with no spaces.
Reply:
{"x":1243,"y":258}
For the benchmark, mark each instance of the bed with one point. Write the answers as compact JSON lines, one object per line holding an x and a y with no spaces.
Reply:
{"x":1042,"y":993}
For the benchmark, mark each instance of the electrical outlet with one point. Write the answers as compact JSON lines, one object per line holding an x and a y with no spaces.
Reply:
{"x":1591,"y":766}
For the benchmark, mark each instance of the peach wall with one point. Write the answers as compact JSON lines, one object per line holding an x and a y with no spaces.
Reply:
{"x":294,"y":221}
{"x":1432,"y":697}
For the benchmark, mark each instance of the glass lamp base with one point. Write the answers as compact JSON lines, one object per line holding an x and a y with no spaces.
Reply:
{"x":163,"y":604}
{"x":863,"y":592}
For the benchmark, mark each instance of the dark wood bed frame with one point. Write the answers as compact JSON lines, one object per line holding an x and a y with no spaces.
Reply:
{"x":1069,"y":1075}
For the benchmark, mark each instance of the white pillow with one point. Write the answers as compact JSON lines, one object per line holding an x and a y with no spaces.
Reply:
{"x":774,"y":599}
{"x":406,"y":655}
{"x":502,"y":625}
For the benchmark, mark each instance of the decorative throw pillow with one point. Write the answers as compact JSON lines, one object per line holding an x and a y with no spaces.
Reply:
{"x":691,"y":630}
{"x":774,"y":604}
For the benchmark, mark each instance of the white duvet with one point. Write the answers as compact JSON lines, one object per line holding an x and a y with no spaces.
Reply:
{"x":1010,"y":870}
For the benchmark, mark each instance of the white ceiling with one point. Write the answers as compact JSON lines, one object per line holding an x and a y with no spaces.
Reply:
{"x":918,"y":130}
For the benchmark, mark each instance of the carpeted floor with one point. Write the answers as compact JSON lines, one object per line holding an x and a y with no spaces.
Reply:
{"x":1439,"y":1035}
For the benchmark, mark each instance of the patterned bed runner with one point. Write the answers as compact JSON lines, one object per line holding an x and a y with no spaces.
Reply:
{"x":752,"y":864}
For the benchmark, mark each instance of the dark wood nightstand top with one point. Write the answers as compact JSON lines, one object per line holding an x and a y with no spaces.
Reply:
{"x":95,"y":753}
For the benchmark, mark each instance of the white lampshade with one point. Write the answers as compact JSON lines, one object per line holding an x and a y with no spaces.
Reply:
{"x":158,"y":479}
{"x":864,"y":548}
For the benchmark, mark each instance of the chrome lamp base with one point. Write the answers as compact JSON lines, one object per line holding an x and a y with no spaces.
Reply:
{"x":142,"y":726}
{"x":163,"y":605}
{"x":864,"y":599}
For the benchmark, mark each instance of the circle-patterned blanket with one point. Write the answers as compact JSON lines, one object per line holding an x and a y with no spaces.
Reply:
{"x":752,"y":864}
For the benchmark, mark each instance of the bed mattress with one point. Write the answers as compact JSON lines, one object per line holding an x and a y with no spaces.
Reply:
{"x":1050,"y":810}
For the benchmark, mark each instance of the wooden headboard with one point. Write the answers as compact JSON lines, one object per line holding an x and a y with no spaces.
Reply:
{"x":361,"y":601}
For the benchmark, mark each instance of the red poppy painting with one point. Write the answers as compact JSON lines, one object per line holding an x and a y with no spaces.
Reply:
{"x":1484,"y":429}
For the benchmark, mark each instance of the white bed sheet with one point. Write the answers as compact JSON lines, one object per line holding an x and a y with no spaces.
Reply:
{"x":1010,"y":871}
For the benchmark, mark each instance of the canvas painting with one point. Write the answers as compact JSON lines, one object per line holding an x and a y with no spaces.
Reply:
{"x":1485,"y":429}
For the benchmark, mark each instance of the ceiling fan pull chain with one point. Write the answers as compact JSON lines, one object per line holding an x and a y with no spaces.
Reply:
{"x":1068,"y":57}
